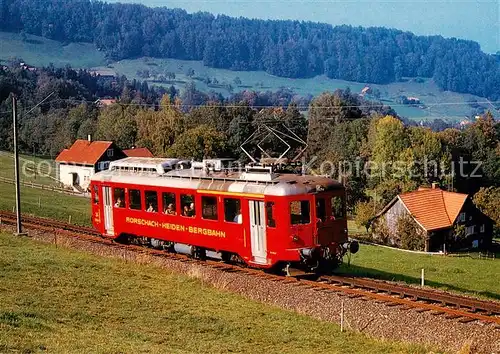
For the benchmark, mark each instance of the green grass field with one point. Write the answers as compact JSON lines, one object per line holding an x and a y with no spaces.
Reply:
{"x":39,"y":51}
{"x":32,"y":169}
{"x":466,"y":274}
{"x":59,"y":300}
{"x":454,"y":109}
{"x":52,"y":205}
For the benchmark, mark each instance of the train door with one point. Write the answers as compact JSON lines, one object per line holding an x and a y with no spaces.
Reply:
{"x":258,"y":231}
{"x":108,"y":210}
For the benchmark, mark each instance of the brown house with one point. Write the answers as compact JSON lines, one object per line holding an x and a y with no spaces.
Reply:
{"x":447,"y":220}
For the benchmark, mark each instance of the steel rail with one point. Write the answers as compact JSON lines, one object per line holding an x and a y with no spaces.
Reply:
{"x":432,"y":295}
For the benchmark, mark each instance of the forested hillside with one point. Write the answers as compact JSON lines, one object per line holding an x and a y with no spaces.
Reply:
{"x":283,"y":48}
{"x":347,"y":136}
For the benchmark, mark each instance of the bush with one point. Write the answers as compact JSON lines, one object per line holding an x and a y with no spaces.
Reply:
{"x":364,"y":214}
{"x":381,"y":232}
{"x":411,"y":235}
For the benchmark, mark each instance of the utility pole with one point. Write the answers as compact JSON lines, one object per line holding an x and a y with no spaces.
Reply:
{"x":16,"y":166}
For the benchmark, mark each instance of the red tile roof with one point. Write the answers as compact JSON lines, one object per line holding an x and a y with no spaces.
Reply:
{"x":84,"y":152}
{"x":106,"y":101}
{"x":138,"y":152}
{"x":434,"y":208}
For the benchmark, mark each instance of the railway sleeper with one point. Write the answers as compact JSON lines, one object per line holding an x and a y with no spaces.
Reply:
{"x":466,"y":320}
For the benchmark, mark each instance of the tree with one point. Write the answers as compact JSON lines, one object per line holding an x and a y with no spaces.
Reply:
{"x":190,"y":72}
{"x":364,"y":214}
{"x":158,"y":130}
{"x":199,"y":143}
{"x":237,"y":81}
{"x":326,"y":111}
{"x":390,"y":140}
{"x":117,"y":123}
{"x":427,"y":152}
{"x":212,"y":114}
{"x":488,"y":201}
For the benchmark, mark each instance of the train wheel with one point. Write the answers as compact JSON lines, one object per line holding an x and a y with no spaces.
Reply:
{"x":200,"y":253}
{"x":226,"y":257}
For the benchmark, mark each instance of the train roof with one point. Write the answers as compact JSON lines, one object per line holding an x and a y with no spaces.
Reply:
{"x":249,"y":180}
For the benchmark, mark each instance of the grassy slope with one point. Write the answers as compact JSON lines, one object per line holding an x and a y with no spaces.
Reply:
{"x":65,"y":301}
{"x":427,"y":91}
{"x":463,"y":274}
{"x":53,"y":204}
{"x":44,"y":169}
{"x":39,"y":51}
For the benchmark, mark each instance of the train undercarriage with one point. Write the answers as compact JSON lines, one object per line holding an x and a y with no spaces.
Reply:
{"x":318,"y":260}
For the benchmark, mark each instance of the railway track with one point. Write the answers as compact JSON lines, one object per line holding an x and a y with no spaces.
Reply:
{"x":451,"y":306}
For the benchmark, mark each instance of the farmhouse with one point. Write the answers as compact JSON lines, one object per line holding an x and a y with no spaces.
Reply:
{"x":105,"y":73}
{"x":77,"y":164}
{"x":104,"y":102}
{"x":444,"y":220}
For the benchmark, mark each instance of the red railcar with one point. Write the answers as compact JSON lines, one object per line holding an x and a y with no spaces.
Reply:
{"x":259,"y":217}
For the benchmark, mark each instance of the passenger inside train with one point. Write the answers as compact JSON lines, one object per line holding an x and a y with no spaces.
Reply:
{"x":119,"y":203}
{"x":170,"y":210}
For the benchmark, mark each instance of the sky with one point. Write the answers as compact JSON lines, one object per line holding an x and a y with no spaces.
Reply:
{"x":478,"y":20}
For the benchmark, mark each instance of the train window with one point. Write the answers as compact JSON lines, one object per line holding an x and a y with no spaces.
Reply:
{"x":119,"y":197}
{"x":232,"y":210}
{"x":300,"y":212}
{"x":134,"y":199}
{"x":209,"y":208}
{"x":96,"y":194}
{"x":169,"y":205}
{"x":337,"y":207}
{"x":188,"y":207}
{"x":321,"y":209}
{"x":271,"y":222}
{"x":151,"y":198}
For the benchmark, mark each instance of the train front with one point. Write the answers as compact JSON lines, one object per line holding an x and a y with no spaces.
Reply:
{"x":323,"y":241}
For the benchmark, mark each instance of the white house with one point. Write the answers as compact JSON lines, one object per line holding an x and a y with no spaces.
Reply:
{"x":77,"y":164}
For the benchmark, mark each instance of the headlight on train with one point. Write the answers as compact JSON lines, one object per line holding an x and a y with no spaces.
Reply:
{"x":309,"y":253}
{"x":352,"y":246}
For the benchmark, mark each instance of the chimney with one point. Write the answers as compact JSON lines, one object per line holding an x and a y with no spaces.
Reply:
{"x":89,"y":138}
{"x":435,"y":185}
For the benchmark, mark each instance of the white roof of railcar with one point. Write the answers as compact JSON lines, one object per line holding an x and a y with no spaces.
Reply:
{"x":225,"y":181}
{"x":161,"y":165}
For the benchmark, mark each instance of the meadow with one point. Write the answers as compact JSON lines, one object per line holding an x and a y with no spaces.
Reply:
{"x":47,"y":204}
{"x":32,"y":169}
{"x":465,"y":273}
{"x":60,"y":300}
{"x":38,"y":51}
